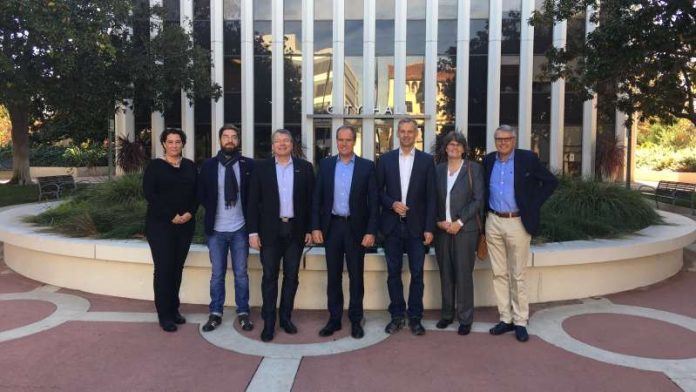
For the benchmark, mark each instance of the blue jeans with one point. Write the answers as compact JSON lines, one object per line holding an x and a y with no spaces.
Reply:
{"x":219,"y":244}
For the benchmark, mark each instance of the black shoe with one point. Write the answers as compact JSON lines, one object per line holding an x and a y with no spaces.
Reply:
{"x":356,"y":331}
{"x":214,"y":321}
{"x":501,"y":328}
{"x":168,"y":326}
{"x":394,"y":325}
{"x":179,"y":319}
{"x":416,"y":327}
{"x":330,"y":328}
{"x":521,"y":333}
{"x":443,"y":323}
{"x":288,"y":327}
{"x":267,"y":334}
{"x":464,"y":329}
{"x":244,"y":321}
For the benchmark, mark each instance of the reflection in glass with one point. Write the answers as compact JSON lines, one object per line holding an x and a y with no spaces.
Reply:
{"x":231,"y":10}
{"x":292,"y":9}
{"x":263,"y":113}
{"x":201,"y":10}
{"x":415,"y":37}
{"x":384,"y":129}
{"x":292,"y":68}
{"x":352,"y":85}
{"x":415,"y":89}
{"x":202,"y":119}
{"x":232,"y":38}
{"x":323,"y":10}
{"x":384,"y":82}
{"x":322,"y":139}
{"x":384,"y":10}
{"x":323,"y":77}
{"x":479,"y":36}
{"x":171,"y":10}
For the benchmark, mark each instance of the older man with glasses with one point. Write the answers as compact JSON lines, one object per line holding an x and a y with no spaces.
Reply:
{"x":518,"y":184}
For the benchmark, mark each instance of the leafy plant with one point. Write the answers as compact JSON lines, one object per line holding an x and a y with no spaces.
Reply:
{"x":610,"y":157}
{"x":131,"y":155}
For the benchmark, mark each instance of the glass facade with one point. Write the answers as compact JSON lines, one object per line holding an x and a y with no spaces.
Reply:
{"x":392,"y":59}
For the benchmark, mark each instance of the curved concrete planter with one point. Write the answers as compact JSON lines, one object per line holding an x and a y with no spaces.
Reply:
{"x":557,"y":271}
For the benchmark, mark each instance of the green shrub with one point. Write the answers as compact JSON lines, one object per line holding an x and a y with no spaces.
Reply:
{"x":656,"y":157}
{"x":113,"y":209}
{"x":88,"y":155}
{"x":579,"y":209}
{"x":583,"y":209}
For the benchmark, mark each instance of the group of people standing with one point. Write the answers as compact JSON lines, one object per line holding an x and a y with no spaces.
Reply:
{"x":278,"y":206}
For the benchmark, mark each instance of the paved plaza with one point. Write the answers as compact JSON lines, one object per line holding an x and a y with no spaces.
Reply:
{"x":53,"y":339}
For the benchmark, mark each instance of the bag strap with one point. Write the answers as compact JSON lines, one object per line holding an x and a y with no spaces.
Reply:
{"x":471,"y":187}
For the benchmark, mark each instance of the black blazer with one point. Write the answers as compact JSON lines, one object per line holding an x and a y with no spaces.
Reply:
{"x":534,"y":183}
{"x":208,"y":188}
{"x":264,"y":199}
{"x":363,"y":198}
{"x":420,"y":197}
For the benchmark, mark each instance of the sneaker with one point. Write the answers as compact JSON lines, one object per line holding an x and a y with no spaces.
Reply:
{"x":501,"y":328}
{"x":244,"y":322}
{"x":214,"y":321}
{"x":521,"y":333}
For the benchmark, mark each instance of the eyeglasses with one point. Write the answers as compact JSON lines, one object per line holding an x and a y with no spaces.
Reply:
{"x":504,"y":139}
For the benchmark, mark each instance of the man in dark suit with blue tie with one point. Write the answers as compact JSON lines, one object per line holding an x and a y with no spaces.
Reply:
{"x":517,"y":185}
{"x":407,"y":222}
{"x":344,"y":218}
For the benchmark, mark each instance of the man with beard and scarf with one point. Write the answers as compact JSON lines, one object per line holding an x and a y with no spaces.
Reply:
{"x":222,"y":191}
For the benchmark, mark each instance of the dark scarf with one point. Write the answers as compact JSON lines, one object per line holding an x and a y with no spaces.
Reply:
{"x":231,"y":187}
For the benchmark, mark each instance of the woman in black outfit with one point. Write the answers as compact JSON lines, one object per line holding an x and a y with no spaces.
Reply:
{"x":169,"y":185}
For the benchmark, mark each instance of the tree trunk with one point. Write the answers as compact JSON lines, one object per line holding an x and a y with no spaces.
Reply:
{"x":19,"y":115}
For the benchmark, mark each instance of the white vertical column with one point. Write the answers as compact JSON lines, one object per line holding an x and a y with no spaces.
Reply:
{"x":156,"y":117}
{"x":338,"y":65}
{"x":524,"y":136}
{"x":277,"y":59}
{"x":462,"y":84}
{"x":495,"y":33}
{"x":368,"y":78}
{"x":217,"y":73}
{"x":589,"y":117}
{"x":247,"y":41}
{"x":620,"y":131}
{"x":557,"y":106}
{"x":187,"y":119}
{"x":400,"y":15}
{"x":124,"y":127}
{"x":308,"y":77}
{"x":430,"y":73}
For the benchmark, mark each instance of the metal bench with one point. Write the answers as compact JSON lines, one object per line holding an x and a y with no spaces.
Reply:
{"x":55,"y":186}
{"x":672,"y":191}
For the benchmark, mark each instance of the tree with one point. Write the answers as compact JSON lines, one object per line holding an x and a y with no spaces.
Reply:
{"x":641,"y":57}
{"x":643,"y":52}
{"x":78,"y":60}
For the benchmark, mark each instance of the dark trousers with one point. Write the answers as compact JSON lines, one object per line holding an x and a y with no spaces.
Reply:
{"x":341,"y":243}
{"x":169,"y":245}
{"x":288,"y":249}
{"x":397,"y":243}
{"x":455,"y":258}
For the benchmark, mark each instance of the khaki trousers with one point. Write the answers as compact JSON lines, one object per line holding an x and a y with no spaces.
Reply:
{"x":508,"y":250}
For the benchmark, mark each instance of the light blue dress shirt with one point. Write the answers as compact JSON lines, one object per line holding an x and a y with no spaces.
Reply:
{"x":502,"y":185}
{"x":342,"y":182}
{"x":285,"y":176}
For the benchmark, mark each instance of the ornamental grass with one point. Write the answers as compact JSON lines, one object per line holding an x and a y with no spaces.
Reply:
{"x":580,"y":209}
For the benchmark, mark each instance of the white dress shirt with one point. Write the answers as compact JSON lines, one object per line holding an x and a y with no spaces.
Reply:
{"x":405,"y":169}
{"x":451,"y":179}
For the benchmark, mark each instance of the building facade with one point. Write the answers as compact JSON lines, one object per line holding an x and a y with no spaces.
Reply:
{"x":311,"y":65}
